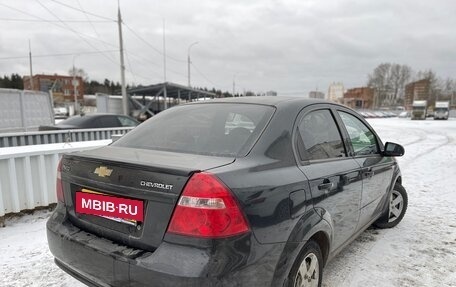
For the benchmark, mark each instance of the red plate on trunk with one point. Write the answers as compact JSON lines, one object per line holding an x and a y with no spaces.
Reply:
{"x":112,"y":207}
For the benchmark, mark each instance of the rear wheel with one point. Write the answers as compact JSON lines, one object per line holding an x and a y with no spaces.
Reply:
{"x":308,"y":268}
{"x":397,"y":207}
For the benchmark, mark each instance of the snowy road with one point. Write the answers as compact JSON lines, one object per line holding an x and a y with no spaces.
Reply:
{"x":420,"y":251}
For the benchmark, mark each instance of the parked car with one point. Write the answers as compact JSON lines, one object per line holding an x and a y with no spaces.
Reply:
{"x":371,"y":115}
{"x":60,"y":112}
{"x":404,"y":114}
{"x":93,"y":121}
{"x":182,"y":200}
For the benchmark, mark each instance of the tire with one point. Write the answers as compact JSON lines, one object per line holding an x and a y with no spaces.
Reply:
{"x":310,"y":262}
{"x":396,"y":208}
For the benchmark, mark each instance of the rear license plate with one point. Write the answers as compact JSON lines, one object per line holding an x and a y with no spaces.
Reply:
{"x":119,"y":209}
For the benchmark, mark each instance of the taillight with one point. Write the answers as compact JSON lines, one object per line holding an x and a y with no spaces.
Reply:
{"x":58,"y":183}
{"x":207,"y":209}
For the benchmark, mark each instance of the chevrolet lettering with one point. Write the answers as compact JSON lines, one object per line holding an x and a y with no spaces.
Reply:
{"x":156,"y":185}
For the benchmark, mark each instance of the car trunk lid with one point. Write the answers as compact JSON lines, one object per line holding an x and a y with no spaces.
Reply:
{"x":155,"y":178}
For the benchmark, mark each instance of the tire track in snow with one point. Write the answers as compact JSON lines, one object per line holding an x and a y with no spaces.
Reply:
{"x":427,"y":151}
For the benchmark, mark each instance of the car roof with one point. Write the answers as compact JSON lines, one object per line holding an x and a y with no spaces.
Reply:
{"x":99,"y":114}
{"x":268,"y":100}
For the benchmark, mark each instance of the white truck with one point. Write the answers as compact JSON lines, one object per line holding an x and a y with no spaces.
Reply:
{"x":419,"y":109}
{"x":442,"y":110}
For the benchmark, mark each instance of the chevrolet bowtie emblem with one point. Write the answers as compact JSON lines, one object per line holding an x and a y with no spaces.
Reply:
{"x":103,"y":171}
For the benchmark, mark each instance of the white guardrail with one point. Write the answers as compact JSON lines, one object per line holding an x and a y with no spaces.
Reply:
{"x":59,"y":136}
{"x":28,"y":174}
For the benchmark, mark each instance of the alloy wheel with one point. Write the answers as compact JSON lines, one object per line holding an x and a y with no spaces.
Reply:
{"x":396,"y":206}
{"x":308,"y":275}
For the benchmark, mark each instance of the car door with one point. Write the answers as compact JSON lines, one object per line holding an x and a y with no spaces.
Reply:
{"x":377,"y":170}
{"x":333,"y":176}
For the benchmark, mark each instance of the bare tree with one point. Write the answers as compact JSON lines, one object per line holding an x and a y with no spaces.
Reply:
{"x":400,"y":75}
{"x":449,"y":87}
{"x":389,"y":81}
{"x":78,"y":72}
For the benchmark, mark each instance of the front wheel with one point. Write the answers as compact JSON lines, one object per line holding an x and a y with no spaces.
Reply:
{"x":308,"y":268}
{"x":396,"y":208}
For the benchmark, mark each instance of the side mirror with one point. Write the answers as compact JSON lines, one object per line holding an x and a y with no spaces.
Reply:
{"x":393,"y":149}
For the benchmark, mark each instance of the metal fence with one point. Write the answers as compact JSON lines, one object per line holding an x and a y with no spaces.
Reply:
{"x":24,"y":110}
{"x":28,"y":174}
{"x":61,"y":136}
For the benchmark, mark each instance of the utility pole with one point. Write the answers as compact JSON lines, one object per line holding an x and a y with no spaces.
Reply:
{"x":75,"y":90}
{"x":122,"y":65}
{"x":189,"y":61}
{"x":30,"y":60}
{"x":165,"y":93}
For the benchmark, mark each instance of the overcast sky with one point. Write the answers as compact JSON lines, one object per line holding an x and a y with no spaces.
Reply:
{"x":291,"y":46}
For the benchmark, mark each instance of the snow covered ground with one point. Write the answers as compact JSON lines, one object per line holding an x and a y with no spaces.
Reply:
{"x":420,"y":251}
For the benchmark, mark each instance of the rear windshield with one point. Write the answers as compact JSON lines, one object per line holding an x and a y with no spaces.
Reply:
{"x":209,"y":129}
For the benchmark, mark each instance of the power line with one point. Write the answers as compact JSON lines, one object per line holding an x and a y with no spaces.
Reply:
{"x":128,"y":27}
{"x":91,"y":24}
{"x":150,"y":45}
{"x":155,"y":64}
{"x":59,"y":54}
{"x":74,"y":31}
{"x":81,"y":10}
{"x":58,"y":25}
{"x":51,"y":21}
{"x":204,"y":76}
{"x":141,"y":58}
{"x":99,"y":38}
{"x":82,"y":35}
{"x":129,"y":64}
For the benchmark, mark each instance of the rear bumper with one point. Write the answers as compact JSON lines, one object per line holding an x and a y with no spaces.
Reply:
{"x":100,"y":262}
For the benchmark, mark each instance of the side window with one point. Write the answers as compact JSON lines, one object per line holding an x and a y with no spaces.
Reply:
{"x":320,"y":137}
{"x":107,"y":122}
{"x":127,"y":122}
{"x":362,"y":139}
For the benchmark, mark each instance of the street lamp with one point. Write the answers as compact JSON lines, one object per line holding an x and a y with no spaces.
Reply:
{"x":189,"y":62}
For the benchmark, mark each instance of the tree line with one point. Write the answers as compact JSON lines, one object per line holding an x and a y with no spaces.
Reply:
{"x":15,"y":81}
{"x":12,"y":82}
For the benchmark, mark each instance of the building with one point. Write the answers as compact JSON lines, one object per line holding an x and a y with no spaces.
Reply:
{"x":336,"y":92}
{"x":359,"y":98}
{"x":316,"y":95}
{"x":416,"y":91}
{"x":62,"y":86}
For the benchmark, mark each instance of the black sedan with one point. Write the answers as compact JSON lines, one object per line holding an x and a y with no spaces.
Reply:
{"x":254,"y":191}
{"x":93,"y":121}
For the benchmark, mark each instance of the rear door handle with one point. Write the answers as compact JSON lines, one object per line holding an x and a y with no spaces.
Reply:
{"x":325,"y":186}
